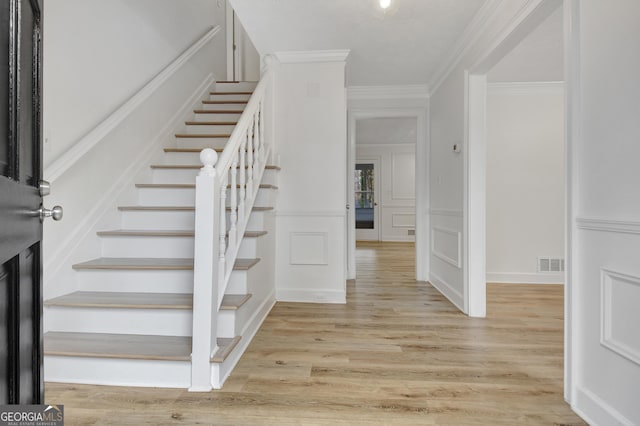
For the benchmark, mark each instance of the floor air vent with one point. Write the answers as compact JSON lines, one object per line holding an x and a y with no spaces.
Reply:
{"x":550,"y":264}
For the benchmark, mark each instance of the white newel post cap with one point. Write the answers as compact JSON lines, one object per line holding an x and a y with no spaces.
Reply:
{"x":208,"y":157}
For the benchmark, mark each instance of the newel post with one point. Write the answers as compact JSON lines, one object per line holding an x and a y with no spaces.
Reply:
{"x":205,"y":274}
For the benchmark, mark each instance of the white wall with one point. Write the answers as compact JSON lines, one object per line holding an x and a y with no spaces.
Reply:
{"x":606,"y":287}
{"x":98,"y":53}
{"x":447,"y":127}
{"x":525,"y":181}
{"x":311,"y":137}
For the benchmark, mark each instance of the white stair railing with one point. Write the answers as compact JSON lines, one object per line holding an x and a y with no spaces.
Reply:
{"x":220,"y":225}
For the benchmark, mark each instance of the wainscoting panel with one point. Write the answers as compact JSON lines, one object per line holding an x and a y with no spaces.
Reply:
{"x":310,"y":257}
{"x":446,"y":245}
{"x":620,"y":314}
{"x":309,"y":248}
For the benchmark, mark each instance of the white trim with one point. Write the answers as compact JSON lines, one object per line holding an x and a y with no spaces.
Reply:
{"x":606,"y":336}
{"x":478,"y":25}
{"x":312,"y":295}
{"x":307,"y":56}
{"x":446,"y":212}
{"x":81,"y":147}
{"x":385,"y":145}
{"x":608,"y":225}
{"x":70,"y":244}
{"x":526,"y":88}
{"x":572,"y":138}
{"x":595,"y":411}
{"x":447,"y":290}
{"x":525,"y":278}
{"x":409,"y":91}
{"x":300,"y":213}
{"x":422,"y":149}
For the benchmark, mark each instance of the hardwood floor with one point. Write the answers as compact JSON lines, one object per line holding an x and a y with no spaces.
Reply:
{"x":397,"y":353}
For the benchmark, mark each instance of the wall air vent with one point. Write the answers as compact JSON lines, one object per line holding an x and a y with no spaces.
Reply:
{"x":550,"y":264}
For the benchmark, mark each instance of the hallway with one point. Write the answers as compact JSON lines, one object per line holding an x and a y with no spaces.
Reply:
{"x":397,"y":353}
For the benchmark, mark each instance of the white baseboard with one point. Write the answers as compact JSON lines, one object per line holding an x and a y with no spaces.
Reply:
{"x":525,"y":278}
{"x":447,"y":290}
{"x":311,"y":296}
{"x":595,"y":411}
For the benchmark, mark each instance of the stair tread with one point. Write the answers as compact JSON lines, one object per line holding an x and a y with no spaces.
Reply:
{"x":178,"y":208}
{"x":229,"y":102}
{"x":197,"y":166}
{"x":230,"y":93}
{"x":197,"y":136}
{"x":152,"y":263}
{"x":190,"y":185}
{"x":206,"y":111}
{"x":210,"y":123}
{"x":129,"y":346}
{"x":225,"y":347}
{"x":163,"y":233}
{"x":96,"y":299}
{"x":124,"y":346}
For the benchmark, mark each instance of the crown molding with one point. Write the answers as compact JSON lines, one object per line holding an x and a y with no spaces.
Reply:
{"x":526,"y":88}
{"x":476,"y":27}
{"x":409,"y":91}
{"x":308,"y":56}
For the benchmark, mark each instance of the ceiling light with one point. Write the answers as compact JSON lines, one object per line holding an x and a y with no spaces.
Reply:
{"x":385,"y":4}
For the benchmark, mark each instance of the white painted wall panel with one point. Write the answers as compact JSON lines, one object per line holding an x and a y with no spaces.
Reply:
{"x":607,"y":152}
{"x":97,"y":54}
{"x":312,"y":145}
{"x":525,"y":179}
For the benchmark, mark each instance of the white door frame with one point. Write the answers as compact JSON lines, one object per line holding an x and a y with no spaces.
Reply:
{"x":474,"y":149}
{"x":371,"y":234}
{"x":423,"y":251}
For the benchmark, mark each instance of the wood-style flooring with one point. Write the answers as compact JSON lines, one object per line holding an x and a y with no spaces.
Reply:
{"x":397,"y":353}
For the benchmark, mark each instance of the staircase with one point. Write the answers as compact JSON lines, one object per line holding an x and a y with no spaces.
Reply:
{"x":130,"y":322}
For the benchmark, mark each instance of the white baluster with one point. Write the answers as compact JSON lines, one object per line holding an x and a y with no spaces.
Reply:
{"x":250,"y":160}
{"x":223,"y":231}
{"x":256,"y":144}
{"x":243,"y":180}
{"x":205,"y":273}
{"x":262,"y":138}
{"x":233,"y":204}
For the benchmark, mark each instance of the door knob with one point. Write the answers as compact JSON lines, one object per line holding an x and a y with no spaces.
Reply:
{"x":44,"y":188}
{"x":55,"y":213}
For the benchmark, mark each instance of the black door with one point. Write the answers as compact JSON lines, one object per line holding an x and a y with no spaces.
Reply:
{"x":21,"y":378}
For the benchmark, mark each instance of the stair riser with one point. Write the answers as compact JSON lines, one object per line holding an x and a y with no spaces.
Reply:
{"x":223,"y":107}
{"x":238,"y":283}
{"x":228,"y":325}
{"x":241,"y":86}
{"x":118,"y":372}
{"x":187,"y":157}
{"x":229,"y":97}
{"x":158,"y":220}
{"x":189,"y":176}
{"x":166,"y":196}
{"x":200,"y":129}
{"x":187,"y":197}
{"x":135,"y":281}
{"x":156,"y":322}
{"x":201,"y":142}
{"x":181,"y":247}
{"x":204,"y":117}
{"x":134,"y":246}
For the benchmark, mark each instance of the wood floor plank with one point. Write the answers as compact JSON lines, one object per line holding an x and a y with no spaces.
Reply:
{"x":398,"y":353}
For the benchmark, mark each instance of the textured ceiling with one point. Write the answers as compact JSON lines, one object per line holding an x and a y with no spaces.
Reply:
{"x":403,"y":46}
